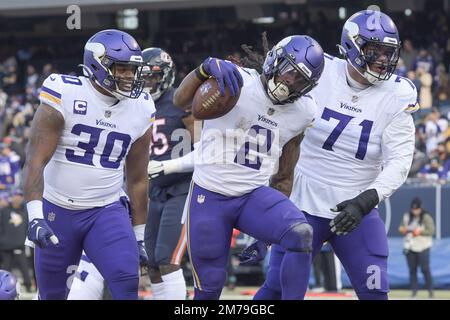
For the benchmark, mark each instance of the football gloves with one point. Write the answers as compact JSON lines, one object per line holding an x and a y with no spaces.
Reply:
{"x":225,"y":72}
{"x":159,"y":168}
{"x":139,"y":231}
{"x":352,"y":212}
{"x":155,"y":169}
{"x":254,"y":253}
{"x":41,"y":234}
{"x":143,"y":257}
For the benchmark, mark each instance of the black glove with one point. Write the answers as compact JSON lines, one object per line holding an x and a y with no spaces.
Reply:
{"x":254,"y":253}
{"x":352,"y":211}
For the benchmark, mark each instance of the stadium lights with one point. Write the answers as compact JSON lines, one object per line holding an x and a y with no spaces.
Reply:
{"x":263,"y":20}
{"x":408,"y":12}
{"x":342,"y":13}
{"x":128,"y":19}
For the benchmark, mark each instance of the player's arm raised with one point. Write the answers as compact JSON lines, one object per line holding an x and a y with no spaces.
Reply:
{"x":46,"y":130}
{"x":184,"y":94}
{"x":225,"y":72}
{"x":284,"y":178}
{"x":137,"y":186}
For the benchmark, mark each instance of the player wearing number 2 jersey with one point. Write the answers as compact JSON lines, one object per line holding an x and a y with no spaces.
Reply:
{"x":236,"y":157}
{"x":358,"y":152}
{"x":85,"y":134}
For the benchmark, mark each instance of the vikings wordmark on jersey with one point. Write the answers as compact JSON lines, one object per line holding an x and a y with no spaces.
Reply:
{"x":98,"y":133}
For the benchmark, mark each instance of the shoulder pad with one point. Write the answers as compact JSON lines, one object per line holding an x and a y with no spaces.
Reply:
{"x":51,"y":89}
{"x":406,"y":94}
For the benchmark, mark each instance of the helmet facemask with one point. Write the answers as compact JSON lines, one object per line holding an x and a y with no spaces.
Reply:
{"x":289,"y":81}
{"x":155,"y":80}
{"x":125,"y":79}
{"x":121,"y":78}
{"x":371,"y":45}
{"x":380,"y":60}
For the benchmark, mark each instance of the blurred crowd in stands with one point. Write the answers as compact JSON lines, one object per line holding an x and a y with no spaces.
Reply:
{"x":425,"y":60}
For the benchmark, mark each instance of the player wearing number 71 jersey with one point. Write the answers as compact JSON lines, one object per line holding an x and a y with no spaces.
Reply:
{"x":85,"y":134}
{"x":236,"y":157}
{"x":358,"y":152}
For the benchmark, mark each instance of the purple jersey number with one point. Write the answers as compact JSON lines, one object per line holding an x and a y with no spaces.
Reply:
{"x":343,"y":122}
{"x":109,"y":146}
{"x":248,"y":155}
{"x":71,"y":80}
{"x":89,"y":147}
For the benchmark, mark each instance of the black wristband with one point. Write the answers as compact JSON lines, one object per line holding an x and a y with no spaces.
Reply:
{"x":201,"y":74}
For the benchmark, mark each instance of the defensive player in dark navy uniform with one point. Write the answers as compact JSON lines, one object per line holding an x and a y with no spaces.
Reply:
{"x":165,"y":238}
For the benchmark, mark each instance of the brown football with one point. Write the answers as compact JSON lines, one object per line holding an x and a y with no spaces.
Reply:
{"x":209,"y":104}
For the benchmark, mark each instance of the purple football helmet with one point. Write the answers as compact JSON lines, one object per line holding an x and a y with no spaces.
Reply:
{"x":292,"y":68}
{"x":109,"y":48}
{"x":8,"y":289}
{"x":371,"y":44}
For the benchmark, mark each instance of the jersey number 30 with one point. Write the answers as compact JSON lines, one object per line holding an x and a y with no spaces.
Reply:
{"x":89,"y":147}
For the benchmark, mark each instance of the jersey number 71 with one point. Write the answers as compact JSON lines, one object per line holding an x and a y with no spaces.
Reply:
{"x":344,"y":120}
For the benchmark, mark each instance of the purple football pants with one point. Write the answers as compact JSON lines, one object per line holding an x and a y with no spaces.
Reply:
{"x":363,"y":253}
{"x":107,"y":237}
{"x":264,"y":214}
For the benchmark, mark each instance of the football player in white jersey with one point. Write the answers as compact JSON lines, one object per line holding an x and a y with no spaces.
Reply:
{"x":88,"y":283}
{"x":164,"y":236}
{"x":86,"y":130}
{"x":357,"y":153}
{"x":238,"y":154}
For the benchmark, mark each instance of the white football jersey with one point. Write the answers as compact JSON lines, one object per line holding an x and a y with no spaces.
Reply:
{"x":86,"y":169}
{"x":88,"y":283}
{"x":356,"y":133}
{"x":239,"y":151}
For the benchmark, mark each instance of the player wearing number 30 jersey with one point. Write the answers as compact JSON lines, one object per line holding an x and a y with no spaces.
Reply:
{"x":86,"y":133}
{"x":236,"y":157}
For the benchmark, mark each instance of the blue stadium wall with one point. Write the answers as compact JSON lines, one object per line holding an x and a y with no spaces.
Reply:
{"x":398,"y":269}
{"x":436,"y":200}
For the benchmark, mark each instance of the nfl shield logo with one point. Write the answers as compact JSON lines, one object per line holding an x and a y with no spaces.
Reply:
{"x":271,"y":111}
{"x":205,"y":87}
{"x":108,"y":114}
{"x":200,"y":198}
{"x":51,"y":216}
{"x":355,"y":98}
